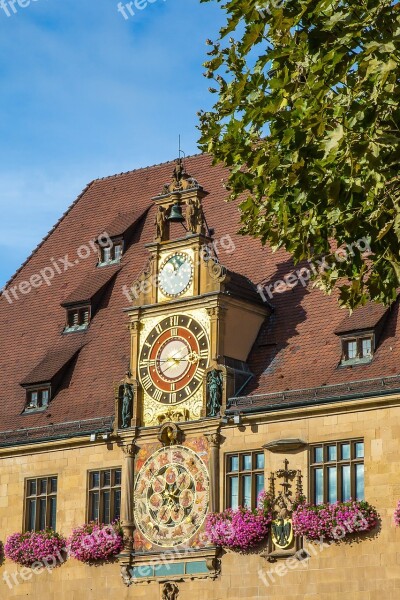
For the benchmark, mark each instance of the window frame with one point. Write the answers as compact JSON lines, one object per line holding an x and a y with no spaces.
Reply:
{"x":48,"y":495}
{"x":359,"y":358}
{"x":111,"y":488}
{"x":113,"y":259}
{"x":39,"y":389}
{"x":338,"y":463}
{"x":82,"y":324}
{"x":228,"y":475}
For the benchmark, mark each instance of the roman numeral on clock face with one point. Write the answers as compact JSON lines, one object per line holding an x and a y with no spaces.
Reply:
{"x":147,"y":382}
{"x":157,"y":395}
{"x":199,"y":375}
{"x":174,"y":321}
{"x":159,"y":328}
{"x":172,"y":398}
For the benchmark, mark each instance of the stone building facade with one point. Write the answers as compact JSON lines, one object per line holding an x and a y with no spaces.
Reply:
{"x":157,"y":367}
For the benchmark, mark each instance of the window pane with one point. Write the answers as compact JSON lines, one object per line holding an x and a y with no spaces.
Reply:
{"x":43,"y":486}
{"x":332,"y":454}
{"x":106,"y":254}
{"x":366,"y":347}
{"x":233,"y":463}
{"x":95,"y":479}
{"x":117,"y":251}
{"x":318,"y":455}
{"x":94,"y":506}
{"x":234,"y":492}
{"x":359,"y":482}
{"x":247,"y":462}
{"x":332,"y":484}
{"x":106,"y":507}
{"x":345,"y":451}
{"x":107,"y":478}
{"x":42,"y":513}
{"x":117,"y":477}
{"x":346,"y":489}
{"x":32,"y":487}
{"x":359,"y":449}
{"x":319,"y":486}
{"x":246,"y":490}
{"x":117,"y":505}
{"x":45,"y":397}
{"x":53,"y":512}
{"x":259,"y":485}
{"x":34,"y":399}
{"x":352,"y":349}
{"x":260,"y":461}
{"x":31,"y":525}
{"x":53,"y":484}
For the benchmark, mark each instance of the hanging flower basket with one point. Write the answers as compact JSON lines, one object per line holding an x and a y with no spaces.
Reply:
{"x":396,"y":516}
{"x":94,"y":542}
{"x":44,"y":547}
{"x":333,"y":521}
{"x":239,"y":530}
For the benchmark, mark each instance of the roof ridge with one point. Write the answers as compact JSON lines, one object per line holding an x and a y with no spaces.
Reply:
{"x":147,"y":167}
{"x":46,"y":237}
{"x":65,"y":214}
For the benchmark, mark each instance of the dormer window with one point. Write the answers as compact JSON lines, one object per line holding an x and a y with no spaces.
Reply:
{"x":357,"y":349}
{"x":37,"y":398}
{"x":110,"y":255}
{"x":78,"y":318}
{"x":360,"y":332}
{"x":42,"y":383}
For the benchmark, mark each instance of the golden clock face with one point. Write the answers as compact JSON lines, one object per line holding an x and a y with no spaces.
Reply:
{"x":173,"y":359}
{"x":171,"y":496}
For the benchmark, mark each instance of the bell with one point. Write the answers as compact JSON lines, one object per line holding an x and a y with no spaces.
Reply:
{"x":176,"y":215}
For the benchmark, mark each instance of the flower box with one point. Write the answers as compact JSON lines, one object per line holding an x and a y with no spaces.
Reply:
{"x":238,"y":530}
{"x":333,"y":521}
{"x":94,"y":542}
{"x":26,"y":549}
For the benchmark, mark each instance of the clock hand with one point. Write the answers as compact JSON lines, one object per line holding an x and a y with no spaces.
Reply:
{"x":176,"y":360}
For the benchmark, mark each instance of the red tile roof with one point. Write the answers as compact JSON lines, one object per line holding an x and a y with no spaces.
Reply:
{"x":55,"y":360}
{"x":124,"y":221}
{"x":297,"y":349}
{"x":92,"y":285}
{"x":363,"y":318}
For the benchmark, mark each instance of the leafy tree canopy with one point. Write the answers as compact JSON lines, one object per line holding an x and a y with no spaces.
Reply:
{"x":307,"y":119}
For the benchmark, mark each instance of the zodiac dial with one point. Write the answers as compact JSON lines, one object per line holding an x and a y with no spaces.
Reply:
{"x":173,"y":359}
{"x":171,"y":496}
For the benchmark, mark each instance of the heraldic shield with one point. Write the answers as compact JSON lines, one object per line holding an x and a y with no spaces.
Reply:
{"x":282,"y":542}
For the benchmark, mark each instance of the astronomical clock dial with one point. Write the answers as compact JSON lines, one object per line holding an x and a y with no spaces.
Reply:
{"x":171,"y":496}
{"x":176,"y":275}
{"x":173,"y":359}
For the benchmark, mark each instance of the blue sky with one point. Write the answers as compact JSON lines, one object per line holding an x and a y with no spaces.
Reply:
{"x":86,"y":93}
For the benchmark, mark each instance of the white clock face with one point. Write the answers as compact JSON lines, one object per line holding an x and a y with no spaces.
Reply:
{"x":176,"y":275}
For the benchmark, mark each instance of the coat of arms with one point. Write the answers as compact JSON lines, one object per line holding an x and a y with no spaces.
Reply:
{"x":282,"y":542}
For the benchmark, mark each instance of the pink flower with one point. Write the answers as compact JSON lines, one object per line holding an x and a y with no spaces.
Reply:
{"x":35,"y":546}
{"x":94,"y":542}
{"x":239,"y":529}
{"x":396,"y":517}
{"x":333,"y":521}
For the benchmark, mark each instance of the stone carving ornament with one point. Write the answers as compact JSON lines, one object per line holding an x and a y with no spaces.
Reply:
{"x":170,"y":591}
